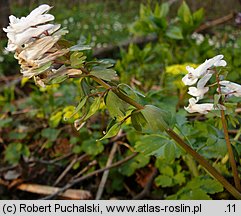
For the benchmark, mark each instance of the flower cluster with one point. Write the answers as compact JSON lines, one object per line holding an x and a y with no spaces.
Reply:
{"x":35,"y":43}
{"x":230,"y":88}
{"x":201,"y":75}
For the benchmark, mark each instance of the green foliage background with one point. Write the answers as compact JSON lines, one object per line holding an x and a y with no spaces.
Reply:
{"x":38,"y":123}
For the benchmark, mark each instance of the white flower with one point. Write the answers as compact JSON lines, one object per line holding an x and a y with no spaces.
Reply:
{"x":36,"y":49}
{"x":24,"y":30}
{"x":35,"y":43}
{"x":200,"y":90}
{"x":197,"y":92}
{"x":36,"y":17}
{"x":230,"y":88}
{"x":203,"y":81}
{"x":204,"y":108}
{"x":38,"y":53}
{"x":17,"y":40}
{"x":190,"y":78}
{"x":200,"y":108}
{"x":194,"y":74}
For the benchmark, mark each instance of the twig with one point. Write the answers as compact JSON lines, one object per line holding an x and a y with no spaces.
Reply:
{"x":68,"y":168}
{"x":4,"y":169}
{"x":81,"y":172}
{"x":146,"y":191}
{"x":50,"y":162}
{"x":76,"y":181}
{"x":106,"y":172}
{"x":61,"y":157}
{"x":74,"y":194}
{"x":46,"y":190}
{"x":104,"y":52}
{"x":126,"y":145}
{"x":215,"y":22}
{"x":233,"y":131}
{"x":129,"y":190}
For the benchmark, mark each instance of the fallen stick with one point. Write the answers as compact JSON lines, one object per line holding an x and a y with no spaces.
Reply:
{"x":72,"y":194}
{"x":108,"y":51}
{"x":106,"y":172}
{"x":215,"y":22}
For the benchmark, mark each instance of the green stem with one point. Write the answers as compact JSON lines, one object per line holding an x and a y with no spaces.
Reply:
{"x":179,"y":141}
{"x":230,"y":152}
{"x":228,"y":143}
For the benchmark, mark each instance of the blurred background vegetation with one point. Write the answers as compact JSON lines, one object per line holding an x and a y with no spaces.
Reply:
{"x":150,"y":45}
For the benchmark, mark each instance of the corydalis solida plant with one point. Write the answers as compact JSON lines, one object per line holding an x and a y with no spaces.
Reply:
{"x":43,"y":56}
{"x":225,"y":89}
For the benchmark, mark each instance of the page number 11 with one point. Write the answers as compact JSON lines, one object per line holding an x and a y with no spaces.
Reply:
{"x":231,"y":208}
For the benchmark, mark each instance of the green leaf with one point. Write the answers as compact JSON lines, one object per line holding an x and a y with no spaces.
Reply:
{"x":77,"y":59}
{"x":104,"y":63}
{"x":78,"y":108}
{"x":105,"y":74}
{"x":144,"y":11}
{"x":92,"y":147}
{"x":5,"y":122}
{"x":195,"y":194}
{"x":76,"y":165}
{"x":115,"y":105}
{"x":164,"y":10}
{"x":77,"y":149}
{"x":167,"y":170}
{"x":113,"y":131}
{"x":164,"y":181}
{"x":156,"y":145}
{"x":179,"y":178}
{"x":50,"y":133}
{"x":93,"y":108}
{"x":42,"y":68}
{"x":174,"y":32}
{"x":209,"y":185}
{"x":155,"y":118}
{"x":48,"y":144}
{"x":181,"y":118}
{"x":159,"y":22}
{"x":16,"y":135}
{"x":55,"y":119}
{"x":80,"y":47}
{"x":185,"y":14}
{"x":14,"y":151}
{"x":198,"y":189}
{"x":132,"y":93}
{"x":85,"y":88}
{"x":59,"y":79}
{"x":198,"y":16}
{"x":215,"y":148}
{"x":138,"y":120}
{"x":131,"y":166}
{"x":216,"y":99}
